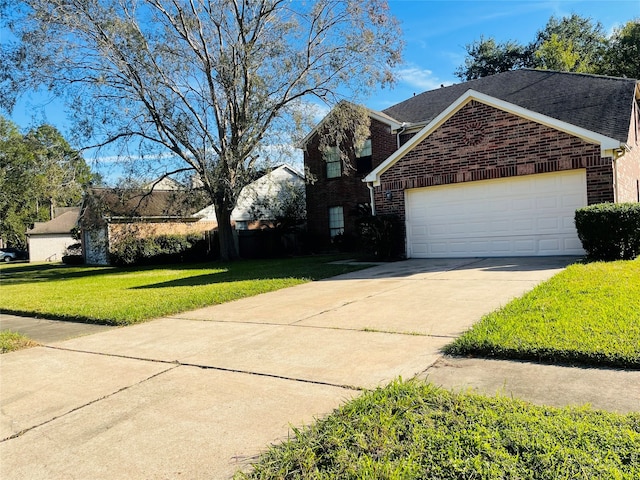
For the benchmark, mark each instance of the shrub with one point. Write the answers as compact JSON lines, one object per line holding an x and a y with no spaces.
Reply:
{"x":73,"y":255}
{"x":609,"y":231}
{"x":132,"y":250}
{"x":381,"y":236}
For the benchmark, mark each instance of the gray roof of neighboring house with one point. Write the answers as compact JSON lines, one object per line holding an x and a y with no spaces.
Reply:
{"x":597,"y":103}
{"x":62,"y":224}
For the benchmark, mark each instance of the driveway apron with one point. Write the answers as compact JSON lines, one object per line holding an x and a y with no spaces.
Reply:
{"x":201,"y":394}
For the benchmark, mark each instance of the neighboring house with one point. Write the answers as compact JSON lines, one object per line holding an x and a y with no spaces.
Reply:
{"x":109,"y":214}
{"x":49,"y":240}
{"x":491,"y":167}
{"x":268,"y":189}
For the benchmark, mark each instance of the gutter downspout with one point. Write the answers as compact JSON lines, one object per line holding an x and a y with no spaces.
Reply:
{"x":403,"y":127}
{"x":372,"y":199}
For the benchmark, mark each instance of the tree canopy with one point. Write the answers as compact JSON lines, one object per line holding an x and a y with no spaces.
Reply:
{"x":569,"y":44}
{"x":215,"y":83}
{"x":38,"y":172}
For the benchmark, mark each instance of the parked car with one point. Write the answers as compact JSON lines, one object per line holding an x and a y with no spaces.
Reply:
{"x":10,"y":254}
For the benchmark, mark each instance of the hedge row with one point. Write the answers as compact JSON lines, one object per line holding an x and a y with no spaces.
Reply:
{"x":609,"y":231}
{"x":159,"y":249}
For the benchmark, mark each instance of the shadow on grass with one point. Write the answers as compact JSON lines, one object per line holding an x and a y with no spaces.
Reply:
{"x":311,"y":268}
{"x":59,"y":318}
{"x":252,"y":270}
{"x":33,"y":273}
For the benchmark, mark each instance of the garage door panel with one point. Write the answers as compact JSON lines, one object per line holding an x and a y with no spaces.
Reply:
{"x":531,"y":215}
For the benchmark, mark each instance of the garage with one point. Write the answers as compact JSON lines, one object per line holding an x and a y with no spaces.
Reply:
{"x":517,"y":216}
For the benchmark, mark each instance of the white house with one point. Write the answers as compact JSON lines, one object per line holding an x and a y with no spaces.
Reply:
{"x":49,"y":240}
{"x":257,"y":194}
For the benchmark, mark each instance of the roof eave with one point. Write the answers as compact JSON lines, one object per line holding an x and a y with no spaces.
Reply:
{"x":393,"y":124}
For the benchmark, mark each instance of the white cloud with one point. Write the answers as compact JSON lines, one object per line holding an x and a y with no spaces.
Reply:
{"x":423,"y":79}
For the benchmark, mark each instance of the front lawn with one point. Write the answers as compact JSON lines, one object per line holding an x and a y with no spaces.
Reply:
{"x":123,"y":296}
{"x":414,"y":430}
{"x":587,"y":314}
{"x":12,"y":341}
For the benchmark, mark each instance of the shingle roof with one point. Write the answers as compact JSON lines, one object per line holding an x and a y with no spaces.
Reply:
{"x":63,"y":223}
{"x":103,"y":203}
{"x":598,"y":103}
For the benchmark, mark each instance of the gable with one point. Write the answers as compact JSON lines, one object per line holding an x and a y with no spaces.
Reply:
{"x":381,"y":117}
{"x":477,"y":128}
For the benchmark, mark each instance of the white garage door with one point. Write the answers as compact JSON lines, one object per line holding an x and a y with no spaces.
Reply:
{"x":517,"y":216}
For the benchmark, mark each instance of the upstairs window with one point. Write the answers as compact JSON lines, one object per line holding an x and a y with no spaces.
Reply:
{"x":365,"y":151}
{"x":334,"y":164}
{"x":363,"y":158}
{"x":336,"y":221}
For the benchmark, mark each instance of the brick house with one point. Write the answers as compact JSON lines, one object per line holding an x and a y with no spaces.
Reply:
{"x":110,"y":214}
{"x":491,"y":167}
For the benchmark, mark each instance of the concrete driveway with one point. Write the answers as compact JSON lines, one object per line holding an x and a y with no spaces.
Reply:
{"x":201,"y":394}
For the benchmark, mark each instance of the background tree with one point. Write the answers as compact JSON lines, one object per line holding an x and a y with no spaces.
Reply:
{"x":212,"y":82}
{"x":285,"y":208}
{"x":38,"y":171}
{"x":622,"y":56}
{"x":569,"y":44}
{"x":487,"y":57}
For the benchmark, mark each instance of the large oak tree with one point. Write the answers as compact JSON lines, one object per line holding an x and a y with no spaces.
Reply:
{"x":213,"y":82}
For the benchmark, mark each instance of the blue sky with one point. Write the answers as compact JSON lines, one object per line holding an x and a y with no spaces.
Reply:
{"x":435,"y":34}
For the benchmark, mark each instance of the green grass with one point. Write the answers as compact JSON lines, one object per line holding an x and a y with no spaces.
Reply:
{"x":414,"y":430}
{"x":588,"y":314}
{"x":12,"y":341}
{"x":123,"y":296}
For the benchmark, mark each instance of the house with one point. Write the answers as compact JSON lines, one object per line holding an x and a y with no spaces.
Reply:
{"x":492,"y":167}
{"x":259,"y":198}
{"x":49,"y":240}
{"x":110,"y":214}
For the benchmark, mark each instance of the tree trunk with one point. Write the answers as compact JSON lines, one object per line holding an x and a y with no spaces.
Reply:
{"x":228,"y":249}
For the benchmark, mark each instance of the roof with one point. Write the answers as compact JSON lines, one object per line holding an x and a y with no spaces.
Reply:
{"x":62,"y":224}
{"x":597,"y":103}
{"x":109,"y":203}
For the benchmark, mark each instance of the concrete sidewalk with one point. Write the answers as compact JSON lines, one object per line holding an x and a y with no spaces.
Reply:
{"x":201,"y":394}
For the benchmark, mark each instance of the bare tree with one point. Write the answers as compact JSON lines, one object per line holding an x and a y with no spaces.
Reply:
{"x":213,"y":82}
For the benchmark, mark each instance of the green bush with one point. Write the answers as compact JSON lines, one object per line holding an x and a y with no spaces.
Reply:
{"x":159,"y":249}
{"x":609,"y":231}
{"x":381,"y":236}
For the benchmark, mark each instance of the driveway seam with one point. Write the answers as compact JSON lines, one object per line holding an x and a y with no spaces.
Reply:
{"x":178,"y":363}
{"x":127,"y":387}
{"x":319,"y":327}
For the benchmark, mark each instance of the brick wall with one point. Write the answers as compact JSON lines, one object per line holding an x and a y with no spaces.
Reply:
{"x":481,"y":142}
{"x":347,"y":191}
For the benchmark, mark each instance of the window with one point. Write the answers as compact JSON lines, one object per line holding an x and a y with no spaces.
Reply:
{"x":334,"y":167}
{"x":363,"y":158}
{"x":336,"y":221}
{"x":365,"y":151}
